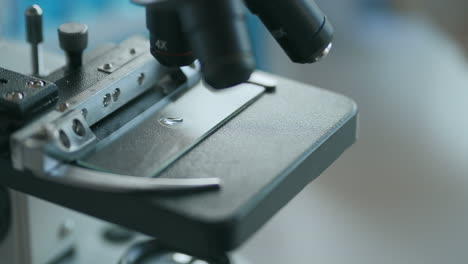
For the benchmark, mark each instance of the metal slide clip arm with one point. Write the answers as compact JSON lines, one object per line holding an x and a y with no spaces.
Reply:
{"x":108,"y":182}
{"x":40,"y":149}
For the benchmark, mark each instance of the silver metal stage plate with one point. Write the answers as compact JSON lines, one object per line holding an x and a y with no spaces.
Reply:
{"x":152,"y":141}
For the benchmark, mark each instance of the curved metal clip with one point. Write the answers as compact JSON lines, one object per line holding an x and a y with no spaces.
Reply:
{"x":102,"y":181}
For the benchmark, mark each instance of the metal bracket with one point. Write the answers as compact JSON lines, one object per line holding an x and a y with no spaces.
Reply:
{"x":71,"y":137}
{"x":21,"y":94}
{"x":124,"y":58}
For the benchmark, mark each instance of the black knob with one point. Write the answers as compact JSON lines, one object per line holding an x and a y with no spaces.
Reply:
{"x":73,"y":38}
{"x":34,"y":35}
{"x":33,"y":15}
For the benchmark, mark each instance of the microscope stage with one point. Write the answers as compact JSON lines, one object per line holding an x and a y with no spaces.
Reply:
{"x":264,"y":156}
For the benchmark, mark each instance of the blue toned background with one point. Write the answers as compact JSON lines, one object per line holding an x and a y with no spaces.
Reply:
{"x":114,"y":20}
{"x":108,"y":20}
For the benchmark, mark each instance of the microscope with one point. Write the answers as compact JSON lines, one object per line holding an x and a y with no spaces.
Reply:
{"x":174,"y":143}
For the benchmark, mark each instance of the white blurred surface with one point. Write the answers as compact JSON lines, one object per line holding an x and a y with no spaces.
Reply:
{"x":399,"y":195}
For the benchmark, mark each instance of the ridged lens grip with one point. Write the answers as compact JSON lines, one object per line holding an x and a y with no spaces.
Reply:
{"x":299,"y":26}
{"x":168,"y":42}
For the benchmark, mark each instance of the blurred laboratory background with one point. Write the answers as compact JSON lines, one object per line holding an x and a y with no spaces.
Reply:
{"x":399,"y":195}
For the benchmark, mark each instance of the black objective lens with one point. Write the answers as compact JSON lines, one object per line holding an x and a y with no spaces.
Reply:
{"x":299,"y":26}
{"x":213,"y":31}
{"x":218,"y":35}
{"x":168,"y":42}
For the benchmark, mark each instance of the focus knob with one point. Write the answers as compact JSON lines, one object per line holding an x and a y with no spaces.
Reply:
{"x":73,"y":38}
